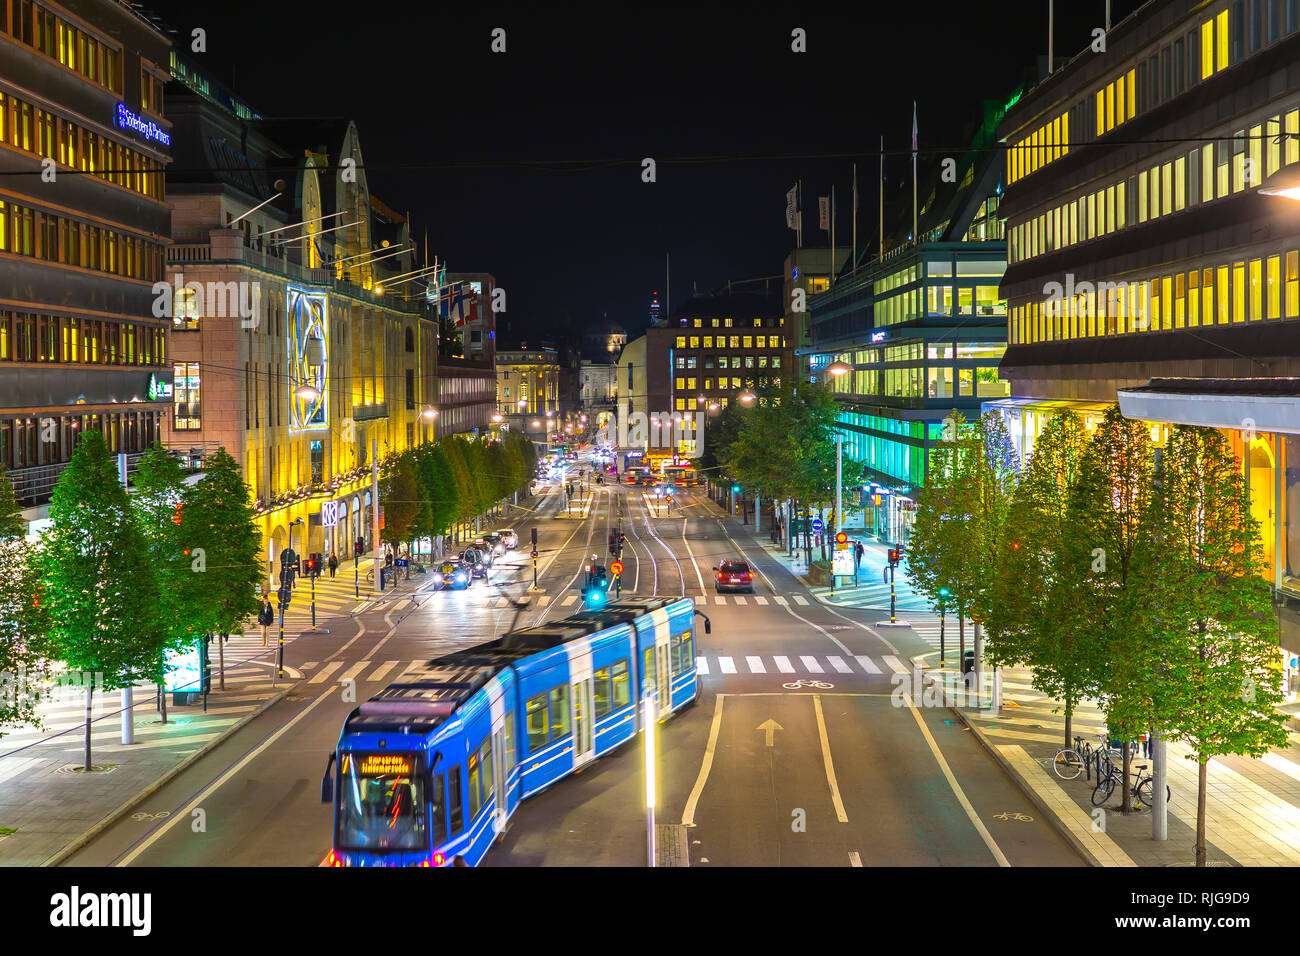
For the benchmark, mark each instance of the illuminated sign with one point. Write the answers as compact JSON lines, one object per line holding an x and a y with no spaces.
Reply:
{"x":146,"y":128}
{"x":308,"y":360}
{"x":159,"y":389}
{"x":878,"y":337}
{"x":379,"y":765}
{"x":184,"y":671}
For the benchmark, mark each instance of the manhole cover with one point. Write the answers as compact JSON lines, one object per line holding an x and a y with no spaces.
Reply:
{"x":94,"y":768}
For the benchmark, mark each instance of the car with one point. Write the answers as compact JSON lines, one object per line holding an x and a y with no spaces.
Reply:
{"x":450,"y":573}
{"x":476,"y":561}
{"x":510,"y":537}
{"x":487,"y":553}
{"x":734,"y":575}
{"x":495,"y":543}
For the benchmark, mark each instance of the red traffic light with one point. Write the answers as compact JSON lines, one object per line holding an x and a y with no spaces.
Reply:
{"x":893,"y":555}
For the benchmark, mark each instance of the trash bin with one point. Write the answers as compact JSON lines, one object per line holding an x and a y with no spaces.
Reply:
{"x":968,"y":662}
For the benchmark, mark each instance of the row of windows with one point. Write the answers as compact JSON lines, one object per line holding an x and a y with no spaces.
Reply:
{"x":43,"y":134}
{"x":43,"y":235}
{"x":45,"y":440}
{"x":686,"y":405}
{"x":1116,"y":102}
{"x":731,"y":341}
{"x":1251,"y":290}
{"x":764,"y":361}
{"x":732,"y":323}
{"x":186,"y":410}
{"x":46,"y":32}
{"x":30,"y":337}
{"x":688,"y":384}
{"x":1044,"y":145}
{"x":1213,"y":171}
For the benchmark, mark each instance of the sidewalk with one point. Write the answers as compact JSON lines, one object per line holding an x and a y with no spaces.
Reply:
{"x":1252,"y":811}
{"x":49,"y":808}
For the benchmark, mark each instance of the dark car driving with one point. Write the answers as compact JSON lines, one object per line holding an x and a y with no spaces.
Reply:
{"x":451,"y":574}
{"x":476,"y":561}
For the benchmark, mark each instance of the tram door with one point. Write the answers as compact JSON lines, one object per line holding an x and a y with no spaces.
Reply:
{"x":500,"y":771}
{"x":663,"y":673}
{"x":584,"y":748}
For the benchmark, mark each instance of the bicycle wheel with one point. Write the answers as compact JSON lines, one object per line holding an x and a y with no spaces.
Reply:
{"x":1145,"y":792}
{"x":1101,"y":793}
{"x":1068,"y":764}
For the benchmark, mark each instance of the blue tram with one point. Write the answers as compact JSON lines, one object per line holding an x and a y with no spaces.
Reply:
{"x":432,"y":768}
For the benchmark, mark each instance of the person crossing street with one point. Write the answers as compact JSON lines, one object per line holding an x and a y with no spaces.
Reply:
{"x":266,"y":617}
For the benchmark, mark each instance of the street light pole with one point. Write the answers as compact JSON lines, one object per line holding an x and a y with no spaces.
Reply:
{"x":650,"y":773}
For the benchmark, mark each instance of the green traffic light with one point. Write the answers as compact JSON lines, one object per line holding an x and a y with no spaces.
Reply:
{"x":735,"y":489}
{"x":944,"y":592}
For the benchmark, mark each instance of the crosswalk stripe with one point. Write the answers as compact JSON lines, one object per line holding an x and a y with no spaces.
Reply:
{"x":719,"y":599}
{"x":894,"y":664}
{"x":740,"y":600}
{"x":839,"y":665}
{"x":756,"y":665}
{"x":380,"y":671}
{"x":812,"y":665}
{"x":324,"y":673}
{"x":701,"y":665}
{"x":759,"y":599}
{"x":568,"y":599}
{"x":726,"y":665}
{"x":782,"y":601}
{"x":701,"y":599}
{"x":309,"y":665}
{"x":544,"y":600}
{"x":783,"y":665}
{"x":867,"y":664}
{"x":353,"y":672}
{"x":800,"y":599}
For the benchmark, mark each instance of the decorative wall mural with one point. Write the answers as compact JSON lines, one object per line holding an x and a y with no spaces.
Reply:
{"x":308,"y":359}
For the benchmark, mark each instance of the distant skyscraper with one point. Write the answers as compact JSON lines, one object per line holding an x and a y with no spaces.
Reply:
{"x":654,"y":309}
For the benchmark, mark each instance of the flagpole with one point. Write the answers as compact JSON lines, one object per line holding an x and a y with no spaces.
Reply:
{"x":854,"y":256}
{"x":832,"y":233}
{"x":798,"y":214}
{"x":881,"y":248}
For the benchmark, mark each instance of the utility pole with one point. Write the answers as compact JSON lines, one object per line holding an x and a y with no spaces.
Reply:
{"x":374,"y":499}
{"x":128,"y":713}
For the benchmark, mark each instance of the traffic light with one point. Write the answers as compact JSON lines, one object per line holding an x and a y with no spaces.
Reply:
{"x":735,"y":489}
{"x":894,"y":556}
{"x":594,"y":597}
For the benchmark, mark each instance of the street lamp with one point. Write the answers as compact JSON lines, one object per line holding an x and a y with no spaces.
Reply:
{"x":838,"y":368}
{"x":1285,"y":184}
{"x":308,"y":393}
{"x":429,"y":413}
{"x":747,"y":397}
{"x":713,"y":406}
{"x":497,"y":418}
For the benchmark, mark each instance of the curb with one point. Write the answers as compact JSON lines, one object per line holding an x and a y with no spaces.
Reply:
{"x":1028,"y":791}
{"x":121,"y":811}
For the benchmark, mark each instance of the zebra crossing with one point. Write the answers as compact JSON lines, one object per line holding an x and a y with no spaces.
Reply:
{"x":826,"y":665}
{"x":735,"y":600}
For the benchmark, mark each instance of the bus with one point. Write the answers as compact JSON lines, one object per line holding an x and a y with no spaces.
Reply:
{"x":681,"y":475}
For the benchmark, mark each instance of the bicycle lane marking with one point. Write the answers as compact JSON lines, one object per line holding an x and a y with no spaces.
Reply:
{"x":956,"y":787}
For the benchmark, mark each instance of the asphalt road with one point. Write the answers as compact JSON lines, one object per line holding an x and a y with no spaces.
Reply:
{"x":761,"y":774}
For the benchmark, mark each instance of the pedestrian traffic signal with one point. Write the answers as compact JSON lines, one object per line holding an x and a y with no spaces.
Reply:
{"x":894,"y":556}
{"x":594,"y":597}
{"x":735,"y":489}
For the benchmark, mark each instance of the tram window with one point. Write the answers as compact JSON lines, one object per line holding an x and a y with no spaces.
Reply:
{"x":453,"y":798}
{"x":683,"y":653}
{"x":600,"y":686}
{"x":622,"y":695}
{"x":473,"y":794}
{"x":439,"y":810}
{"x":510,"y":740}
{"x":559,"y":712}
{"x":537,"y":726}
{"x":485,"y":762}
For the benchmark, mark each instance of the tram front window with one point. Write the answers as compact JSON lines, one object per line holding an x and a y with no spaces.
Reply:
{"x":381,"y":803}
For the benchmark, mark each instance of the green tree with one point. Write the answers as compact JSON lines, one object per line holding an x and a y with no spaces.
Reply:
{"x":438,"y":484}
{"x":455,"y":448}
{"x":158,"y":506}
{"x":1220,"y":636}
{"x":218,"y":523}
{"x":22,"y":632}
{"x":1034,"y":612}
{"x":100,"y":589}
{"x":400,"y":494}
{"x":12,"y":522}
{"x":1115,"y":552}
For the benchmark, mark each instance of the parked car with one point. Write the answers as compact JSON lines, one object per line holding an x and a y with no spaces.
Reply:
{"x":734,"y":575}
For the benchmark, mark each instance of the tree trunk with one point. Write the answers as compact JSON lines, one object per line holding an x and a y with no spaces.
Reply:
{"x":1127,"y":805}
{"x":961,"y":639}
{"x":162,"y":691}
{"x":90,"y":693}
{"x":1069,"y":720}
{"x":1202,"y":777}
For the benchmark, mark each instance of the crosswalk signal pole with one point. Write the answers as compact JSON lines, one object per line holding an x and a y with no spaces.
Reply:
{"x":313,"y":596}
{"x":279,"y":665}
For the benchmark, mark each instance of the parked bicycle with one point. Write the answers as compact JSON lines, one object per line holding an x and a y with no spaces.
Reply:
{"x":1072,"y":761}
{"x":1143,"y":789}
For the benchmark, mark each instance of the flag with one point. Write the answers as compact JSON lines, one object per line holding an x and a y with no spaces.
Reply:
{"x":824,"y":211}
{"x":791,"y":207}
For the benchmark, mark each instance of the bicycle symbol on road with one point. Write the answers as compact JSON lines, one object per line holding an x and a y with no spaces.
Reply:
{"x":812,"y":684}
{"x":141,"y":817}
{"x":1021,"y":817}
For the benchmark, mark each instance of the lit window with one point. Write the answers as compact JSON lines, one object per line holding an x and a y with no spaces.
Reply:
{"x":185,"y":397}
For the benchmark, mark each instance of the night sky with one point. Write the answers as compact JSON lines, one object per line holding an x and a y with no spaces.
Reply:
{"x":527,"y":164}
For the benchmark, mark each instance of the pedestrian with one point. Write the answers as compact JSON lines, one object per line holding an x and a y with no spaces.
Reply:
{"x":266,"y":617}
{"x":858,"y":551}
{"x":1146,"y":746}
{"x":334,"y":563}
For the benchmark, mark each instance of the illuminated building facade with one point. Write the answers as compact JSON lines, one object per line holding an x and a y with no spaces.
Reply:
{"x":923,"y":328}
{"x":288,"y":350}
{"x":1148,"y":263}
{"x":81,"y":90}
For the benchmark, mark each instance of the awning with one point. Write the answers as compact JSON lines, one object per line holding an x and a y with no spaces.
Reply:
{"x":1264,"y":404}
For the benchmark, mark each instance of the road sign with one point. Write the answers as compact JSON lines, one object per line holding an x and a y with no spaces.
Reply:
{"x":329,"y":513}
{"x":818,"y":525}
{"x":841,"y":540}
{"x":616,"y":567}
